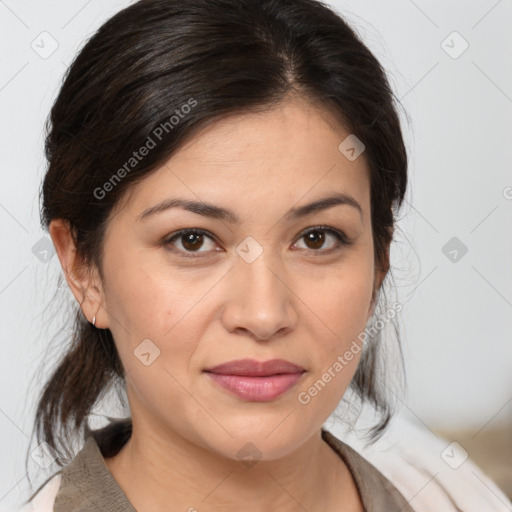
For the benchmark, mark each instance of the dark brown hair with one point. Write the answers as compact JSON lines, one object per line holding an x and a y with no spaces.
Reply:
{"x":219,"y":57}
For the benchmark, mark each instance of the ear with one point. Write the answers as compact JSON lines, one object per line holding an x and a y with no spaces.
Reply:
{"x":82,"y":279}
{"x":379,"y":273}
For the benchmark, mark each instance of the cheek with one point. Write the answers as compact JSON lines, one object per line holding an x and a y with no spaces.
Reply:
{"x":150,"y":302}
{"x":341,"y":298}
{"x":146,"y":302}
{"x":149,"y":317}
{"x":339,"y":303}
{"x":343,"y":302}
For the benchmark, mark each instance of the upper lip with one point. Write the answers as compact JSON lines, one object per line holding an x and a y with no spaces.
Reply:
{"x":253,"y":368}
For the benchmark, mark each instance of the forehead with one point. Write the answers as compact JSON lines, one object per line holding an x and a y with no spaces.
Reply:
{"x":259,"y":160}
{"x":295,"y":129}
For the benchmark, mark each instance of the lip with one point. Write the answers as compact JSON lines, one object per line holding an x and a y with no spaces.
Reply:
{"x":257,"y":381}
{"x":253,"y":368}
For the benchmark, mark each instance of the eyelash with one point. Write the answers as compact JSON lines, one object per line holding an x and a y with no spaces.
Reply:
{"x":341,"y":238}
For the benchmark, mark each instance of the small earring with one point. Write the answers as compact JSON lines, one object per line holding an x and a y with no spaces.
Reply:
{"x":94,"y":320}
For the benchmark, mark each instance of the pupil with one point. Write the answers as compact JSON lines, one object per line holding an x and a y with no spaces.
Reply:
{"x":317,"y":237}
{"x":192,"y":241}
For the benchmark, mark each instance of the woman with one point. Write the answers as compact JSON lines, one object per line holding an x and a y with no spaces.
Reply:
{"x":222,"y":183}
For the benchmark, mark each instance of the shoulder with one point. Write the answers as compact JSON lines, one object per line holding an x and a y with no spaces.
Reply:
{"x":377,"y":492}
{"x":430,"y":472}
{"x":70,"y":483}
{"x":44,"y":499}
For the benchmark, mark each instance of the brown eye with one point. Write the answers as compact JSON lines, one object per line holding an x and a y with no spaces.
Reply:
{"x":191,"y":241}
{"x":316,"y":237}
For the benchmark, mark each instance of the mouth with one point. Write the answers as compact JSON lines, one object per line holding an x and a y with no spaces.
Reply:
{"x":256,"y":381}
{"x":253,"y":368}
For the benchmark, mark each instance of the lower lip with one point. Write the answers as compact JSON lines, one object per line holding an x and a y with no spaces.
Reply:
{"x":257,"y":389}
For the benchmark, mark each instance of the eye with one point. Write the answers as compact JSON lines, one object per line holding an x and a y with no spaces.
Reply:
{"x":190,"y":240}
{"x":316,"y":237}
{"x":187,"y":242}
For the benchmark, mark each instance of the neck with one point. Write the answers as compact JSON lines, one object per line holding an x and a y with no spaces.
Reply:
{"x":168,"y":472}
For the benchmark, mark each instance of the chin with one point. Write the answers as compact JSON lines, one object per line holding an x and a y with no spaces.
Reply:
{"x":250,"y":442}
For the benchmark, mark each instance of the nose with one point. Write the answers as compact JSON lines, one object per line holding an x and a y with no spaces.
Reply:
{"x":261,"y":302}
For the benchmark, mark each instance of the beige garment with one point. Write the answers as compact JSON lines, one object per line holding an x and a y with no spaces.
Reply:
{"x":86,"y":483}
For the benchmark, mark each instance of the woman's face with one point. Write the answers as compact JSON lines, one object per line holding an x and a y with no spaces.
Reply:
{"x":258,"y":283}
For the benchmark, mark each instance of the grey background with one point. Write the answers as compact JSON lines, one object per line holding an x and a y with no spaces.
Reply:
{"x":456,"y":323}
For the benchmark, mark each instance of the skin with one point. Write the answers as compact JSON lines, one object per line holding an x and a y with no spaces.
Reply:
{"x":294,"y":302}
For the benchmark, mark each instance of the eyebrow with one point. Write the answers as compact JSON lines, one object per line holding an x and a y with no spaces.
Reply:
{"x":217,"y":212}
